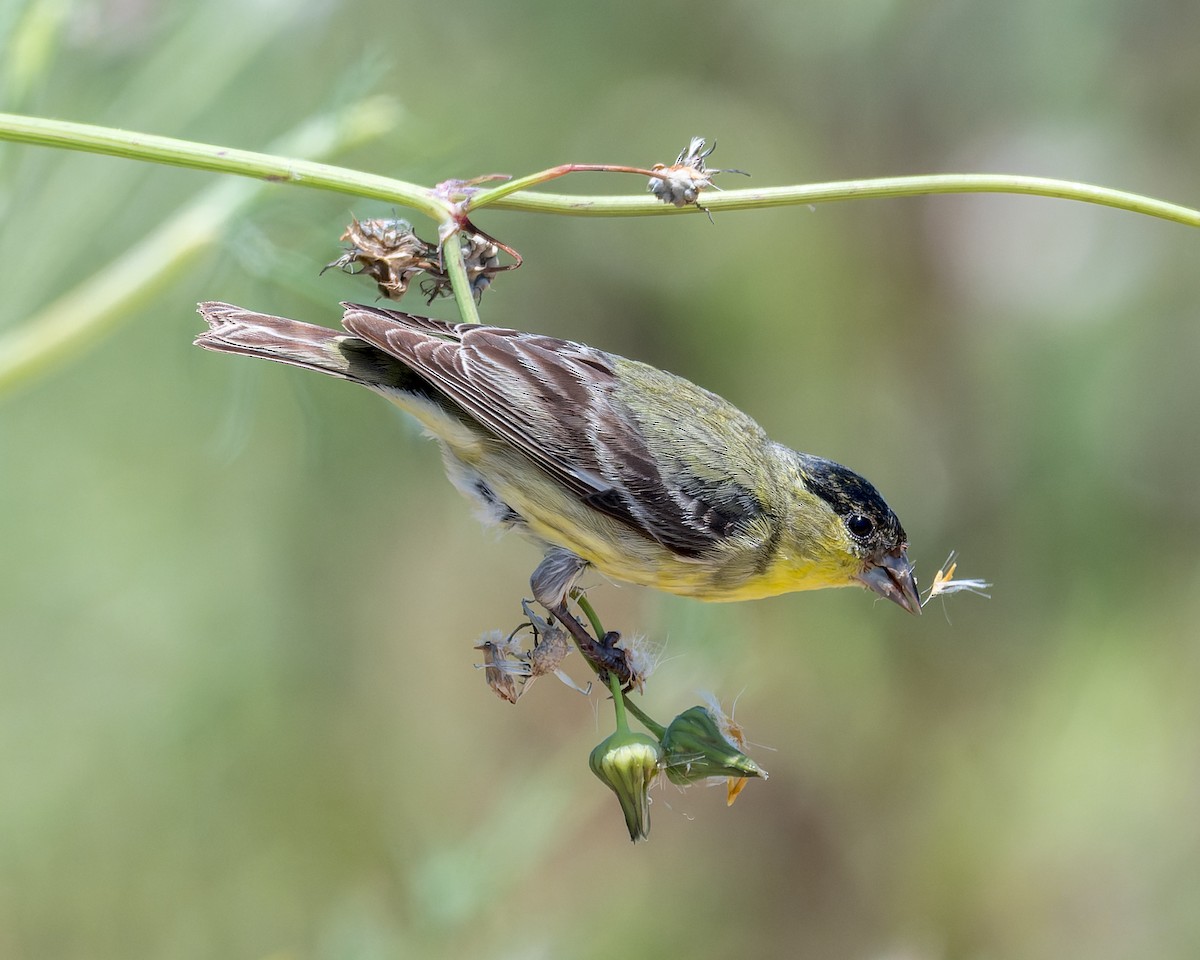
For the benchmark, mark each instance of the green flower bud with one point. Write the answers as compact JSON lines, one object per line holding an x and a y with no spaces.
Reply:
{"x":695,"y":748}
{"x":628,"y":763}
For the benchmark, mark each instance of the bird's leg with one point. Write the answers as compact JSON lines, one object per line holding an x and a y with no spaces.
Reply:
{"x":551,"y":583}
{"x":555,"y":576}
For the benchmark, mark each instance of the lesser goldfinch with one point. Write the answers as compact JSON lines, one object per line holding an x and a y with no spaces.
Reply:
{"x":605,"y":461}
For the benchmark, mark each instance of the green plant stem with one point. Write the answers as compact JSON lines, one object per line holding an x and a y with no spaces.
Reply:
{"x":644,"y":718}
{"x":183,"y":153}
{"x":590,"y":612}
{"x":753,"y":199}
{"x":23,"y":351}
{"x":619,"y":695}
{"x":206,"y":156}
{"x":614,"y":686}
{"x":456,"y":269}
{"x":486,"y":197}
{"x":70,"y":324}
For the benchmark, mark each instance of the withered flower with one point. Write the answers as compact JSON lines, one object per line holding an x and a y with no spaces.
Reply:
{"x":389,"y":252}
{"x":503,"y":667}
{"x":680,"y":183}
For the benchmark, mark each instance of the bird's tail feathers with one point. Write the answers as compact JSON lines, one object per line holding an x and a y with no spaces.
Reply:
{"x":236,"y":330}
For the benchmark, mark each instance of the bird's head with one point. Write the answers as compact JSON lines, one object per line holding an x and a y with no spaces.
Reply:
{"x":865,"y":533}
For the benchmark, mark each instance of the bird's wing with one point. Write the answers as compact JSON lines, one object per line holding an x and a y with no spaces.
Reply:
{"x":559,"y":403}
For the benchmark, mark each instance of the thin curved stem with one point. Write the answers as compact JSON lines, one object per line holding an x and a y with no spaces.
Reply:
{"x":752,"y":199}
{"x":184,"y":153}
{"x":486,"y":197}
{"x":644,"y":718}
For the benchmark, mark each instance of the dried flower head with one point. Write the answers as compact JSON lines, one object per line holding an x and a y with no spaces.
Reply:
{"x":680,"y":183}
{"x":550,"y":648}
{"x":513,"y":661}
{"x":481,"y":254}
{"x":388,"y":251}
{"x":643,"y":658}
{"x":503,"y":666}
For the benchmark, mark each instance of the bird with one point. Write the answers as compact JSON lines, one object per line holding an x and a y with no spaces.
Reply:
{"x":604,"y":461}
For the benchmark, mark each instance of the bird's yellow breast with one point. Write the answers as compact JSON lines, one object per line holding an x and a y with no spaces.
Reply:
{"x":735,"y":570}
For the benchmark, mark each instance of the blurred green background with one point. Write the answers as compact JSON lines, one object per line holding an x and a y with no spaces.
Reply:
{"x":238,"y":715}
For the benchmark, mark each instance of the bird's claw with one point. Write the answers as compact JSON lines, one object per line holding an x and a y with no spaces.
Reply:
{"x":604,"y":655}
{"x":614,"y":660}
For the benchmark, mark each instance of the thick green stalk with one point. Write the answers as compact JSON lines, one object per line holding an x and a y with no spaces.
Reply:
{"x":206,"y":156}
{"x":455,"y":266}
{"x":614,"y":686}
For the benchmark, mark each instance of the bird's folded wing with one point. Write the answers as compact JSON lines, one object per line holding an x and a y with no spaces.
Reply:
{"x":557,"y":403}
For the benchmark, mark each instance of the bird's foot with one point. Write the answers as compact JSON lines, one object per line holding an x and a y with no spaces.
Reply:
{"x":603,"y":654}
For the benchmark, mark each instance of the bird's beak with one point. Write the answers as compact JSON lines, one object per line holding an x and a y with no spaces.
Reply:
{"x":892,"y":576}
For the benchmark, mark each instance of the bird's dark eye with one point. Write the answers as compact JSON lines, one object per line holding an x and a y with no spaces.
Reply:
{"x":860,"y":526}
